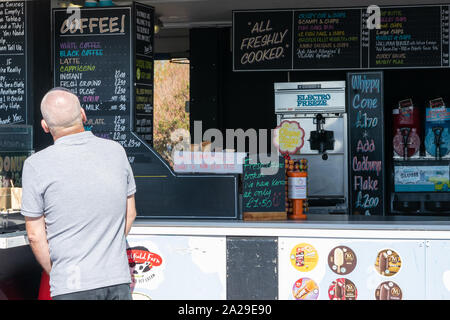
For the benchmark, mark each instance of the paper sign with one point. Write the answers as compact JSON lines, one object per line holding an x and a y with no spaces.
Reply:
{"x":289,"y":137}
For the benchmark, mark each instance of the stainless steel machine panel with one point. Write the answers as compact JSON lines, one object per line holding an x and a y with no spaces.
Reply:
{"x":310,"y":97}
{"x":320,"y":110}
{"x":331,"y":181}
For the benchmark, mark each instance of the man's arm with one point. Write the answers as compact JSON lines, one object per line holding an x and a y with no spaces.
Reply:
{"x":37,"y":236}
{"x":131,"y":214}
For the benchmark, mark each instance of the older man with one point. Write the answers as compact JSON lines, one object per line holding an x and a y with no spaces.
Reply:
{"x":78,"y":203}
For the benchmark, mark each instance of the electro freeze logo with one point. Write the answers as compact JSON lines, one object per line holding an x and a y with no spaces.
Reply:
{"x":141,"y":262}
{"x":312,"y":100}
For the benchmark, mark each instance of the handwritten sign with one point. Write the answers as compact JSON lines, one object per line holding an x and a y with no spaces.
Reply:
{"x":289,"y":137}
{"x":410,"y":37}
{"x":95,"y":63}
{"x":13,"y":77}
{"x":144,"y":21}
{"x":262,"y":40}
{"x":327,"y":39}
{"x":263,"y":193}
{"x":338,"y":38}
{"x":366,"y":143}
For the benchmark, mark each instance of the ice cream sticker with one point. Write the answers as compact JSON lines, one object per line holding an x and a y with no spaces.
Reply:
{"x":342,"y":260}
{"x":144,"y":266}
{"x":304,"y":257}
{"x":342,"y":289}
{"x":388,"y":290}
{"x":388,"y":263}
{"x":289,"y":137}
{"x":305,"y":289}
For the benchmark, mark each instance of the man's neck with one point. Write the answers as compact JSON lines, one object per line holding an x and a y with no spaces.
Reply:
{"x":66,"y":132}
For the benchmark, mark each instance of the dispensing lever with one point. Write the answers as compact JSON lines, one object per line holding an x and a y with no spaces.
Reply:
{"x":437,"y":140}
{"x":320,"y":139}
{"x":405,"y":133}
{"x":319,"y":127}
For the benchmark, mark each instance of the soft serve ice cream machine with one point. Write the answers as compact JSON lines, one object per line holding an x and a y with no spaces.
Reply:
{"x":319,"y":108}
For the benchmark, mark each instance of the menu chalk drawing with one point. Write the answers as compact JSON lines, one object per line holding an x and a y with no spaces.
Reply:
{"x":410,"y":36}
{"x":262,"y":40}
{"x":338,"y":38}
{"x":93,"y":58}
{"x":144,"y":24}
{"x":13,"y":66}
{"x":366,"y":143}
{"x":327,"y":39}
{"x":263,"y":192}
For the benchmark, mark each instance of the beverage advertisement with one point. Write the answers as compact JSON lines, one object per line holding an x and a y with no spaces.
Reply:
{"x":421,"y":178}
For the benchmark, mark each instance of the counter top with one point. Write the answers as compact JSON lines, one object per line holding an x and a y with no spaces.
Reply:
{"x":14,"y":234}
{"x":315,"y":222}
{"x":334,"y":225}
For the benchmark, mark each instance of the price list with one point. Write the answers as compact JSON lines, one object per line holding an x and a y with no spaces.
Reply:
{"x":144,"y":20}
{"x":327,"y":39}
{"x":366,"y":143}
{"x":264,"y":192}
{"x":93,"y":60}
{"x":445,"y":35}
{"x":410,"y":36}
{"x":13,"y":77}
{"x":365,"y":34}
{"x":407,"y":37}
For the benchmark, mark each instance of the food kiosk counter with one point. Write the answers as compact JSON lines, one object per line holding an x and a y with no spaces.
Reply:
{"x":341,"y":257}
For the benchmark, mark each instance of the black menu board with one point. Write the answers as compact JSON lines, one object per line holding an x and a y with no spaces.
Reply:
{"x":339,"y":38}
{"x":262,"y":40}
{"x":366,"y":143}
{"x":108,"y":64}
{"x":93,"y":59}
{"x":409,"y":37}
{"x":263,"y":192}
{"x":327,"y":39}
{"x":13,"y":66}
{"x":144,"y":24}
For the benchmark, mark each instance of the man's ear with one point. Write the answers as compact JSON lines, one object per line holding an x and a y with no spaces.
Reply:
{"x":83,"y":116}
{"x":45,"y":126}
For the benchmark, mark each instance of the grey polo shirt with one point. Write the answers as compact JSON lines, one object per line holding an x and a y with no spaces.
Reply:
{"x":80,"y":184}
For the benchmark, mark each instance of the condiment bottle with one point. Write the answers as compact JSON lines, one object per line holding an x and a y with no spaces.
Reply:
{"x":297,"y":191}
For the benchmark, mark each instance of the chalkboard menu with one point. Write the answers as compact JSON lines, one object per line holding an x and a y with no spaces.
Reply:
{"x":263,"y":192}
{"x":410,"y":37}
{"x":13,"y":66}
{"x":366,"y":143}
{"x":263,"y":40}
{"x":144,"y":24}
{"x":326,"y":39}
{"x":93,"y":58}
{"x":338,"y":38}
{"x":105,"y":56}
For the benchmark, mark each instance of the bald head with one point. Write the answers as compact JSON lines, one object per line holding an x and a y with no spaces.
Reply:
{"x":61,"y":110}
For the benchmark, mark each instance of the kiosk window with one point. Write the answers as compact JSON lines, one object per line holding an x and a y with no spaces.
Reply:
{"x":171,"y":110}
